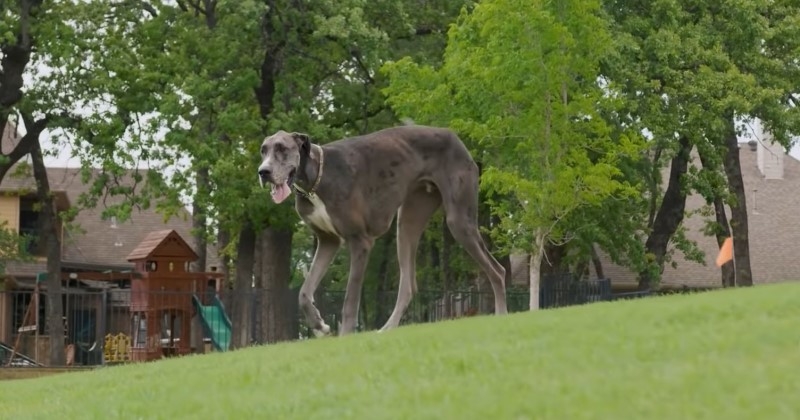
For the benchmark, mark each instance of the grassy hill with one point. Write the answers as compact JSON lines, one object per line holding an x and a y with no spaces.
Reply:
{"x":729,"y":354}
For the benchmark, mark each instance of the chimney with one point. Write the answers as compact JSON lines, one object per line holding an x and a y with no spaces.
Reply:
{"x":769,"y":155}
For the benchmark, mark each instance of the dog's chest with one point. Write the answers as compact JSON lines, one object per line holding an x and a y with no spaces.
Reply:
{"x":319,"y":217}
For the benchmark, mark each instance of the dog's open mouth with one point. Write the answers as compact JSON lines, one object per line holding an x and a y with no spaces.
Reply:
{"x":281,"y":192}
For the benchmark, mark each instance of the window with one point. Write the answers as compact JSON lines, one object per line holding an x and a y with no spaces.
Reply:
{"x":30,"y":225}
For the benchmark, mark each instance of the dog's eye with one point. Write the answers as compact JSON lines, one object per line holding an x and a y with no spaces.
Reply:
{"x":263,"y":150}
{"x":279,"y":148}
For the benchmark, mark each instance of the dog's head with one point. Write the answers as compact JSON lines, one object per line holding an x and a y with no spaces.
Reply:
{"x":281,"y":156}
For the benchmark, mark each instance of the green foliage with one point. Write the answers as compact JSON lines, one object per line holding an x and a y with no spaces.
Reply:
{"x":208,"y":77}
{"x":551,"y":98}
{"x":687,"y":69}
{"x":520,"y":86}
{"x":13,"y":247}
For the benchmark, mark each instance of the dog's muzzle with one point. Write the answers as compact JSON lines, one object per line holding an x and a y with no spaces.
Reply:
{"x":263,"y":176}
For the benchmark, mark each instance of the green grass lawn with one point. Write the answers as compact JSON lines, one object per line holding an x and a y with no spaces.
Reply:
{"x":731,"y":354}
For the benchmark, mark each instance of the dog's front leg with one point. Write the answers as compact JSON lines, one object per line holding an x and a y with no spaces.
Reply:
{"x":327,"y":246}
{"x":359,"y":255}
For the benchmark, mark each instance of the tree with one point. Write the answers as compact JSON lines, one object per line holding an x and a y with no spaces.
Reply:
{"x":84,"y":91}
{"x":194,"y":68}
{"x":37,"y":38}
{"x":21,"y":30}
{"x":691,"y":70}
{"x":520,"y":83}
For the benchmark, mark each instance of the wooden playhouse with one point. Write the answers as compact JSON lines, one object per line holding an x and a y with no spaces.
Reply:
{"x":161,"y":306}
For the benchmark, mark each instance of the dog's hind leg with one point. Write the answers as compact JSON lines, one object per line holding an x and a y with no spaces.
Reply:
{"x":461,"y":210}
{"x":412,"y":217}
{"x":327,"y":246}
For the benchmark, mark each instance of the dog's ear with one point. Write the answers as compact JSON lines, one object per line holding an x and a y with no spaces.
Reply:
{"x":303,"y":141}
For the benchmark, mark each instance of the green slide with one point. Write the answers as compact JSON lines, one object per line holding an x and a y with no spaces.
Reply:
{"x":216,"y":324}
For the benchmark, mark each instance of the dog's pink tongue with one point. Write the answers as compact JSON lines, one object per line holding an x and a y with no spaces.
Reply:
{"x":280,"y":192}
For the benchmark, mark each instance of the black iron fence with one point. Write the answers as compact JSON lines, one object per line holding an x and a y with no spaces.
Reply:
{"x":121,"y":325}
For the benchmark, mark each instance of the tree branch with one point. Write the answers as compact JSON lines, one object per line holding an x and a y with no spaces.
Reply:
{"x":25,"y":25}
{"x":792,"y":100}
{"x":418,"y":32}
{"x":26,"y":143}
{"x":365,"y":116}
{"x":196,"y":6}
{"x":357,"y":56}
{"x":147,"y":7}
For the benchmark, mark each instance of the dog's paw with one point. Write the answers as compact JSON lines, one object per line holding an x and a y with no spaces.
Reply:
{"x":322,"y":331}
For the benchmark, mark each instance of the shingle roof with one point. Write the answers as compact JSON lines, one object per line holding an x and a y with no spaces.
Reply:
{"x":774,"y":228}
{"x":97,"y":241}
{"x":155,"y":241}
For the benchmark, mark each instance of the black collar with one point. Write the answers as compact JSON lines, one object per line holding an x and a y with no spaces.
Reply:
{"x":311,"y":192}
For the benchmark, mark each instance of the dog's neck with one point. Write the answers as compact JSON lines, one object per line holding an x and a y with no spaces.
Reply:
{"x":310,"y":173}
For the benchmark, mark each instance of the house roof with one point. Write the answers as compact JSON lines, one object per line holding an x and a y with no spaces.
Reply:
{"x":774,"y":233}
{"x":97,"y":242}
{"x":774,"y":229}
{"x":162,"y":243}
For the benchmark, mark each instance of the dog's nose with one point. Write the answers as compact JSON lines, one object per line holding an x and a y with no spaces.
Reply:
{"x":263,"y":173}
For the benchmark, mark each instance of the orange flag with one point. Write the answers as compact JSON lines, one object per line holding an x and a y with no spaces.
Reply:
{"x":725,"y":252}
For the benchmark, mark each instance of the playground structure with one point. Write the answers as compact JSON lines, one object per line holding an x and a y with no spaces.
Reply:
{"x":164,"y":296}
{"x":31,"y":322}
{"x":116,"y":348}
{"x":153,"y":317}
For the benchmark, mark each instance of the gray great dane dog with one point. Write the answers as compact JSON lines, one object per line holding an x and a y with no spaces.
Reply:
{"x":348,"y":191}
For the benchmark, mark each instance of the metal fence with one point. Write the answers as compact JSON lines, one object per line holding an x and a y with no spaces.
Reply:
{"x":121,"y":325}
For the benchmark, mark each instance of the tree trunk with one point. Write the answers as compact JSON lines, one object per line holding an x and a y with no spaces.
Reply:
{"x":199,"y":224}
{"x":535,"y":268}
{"x":505,"y":259}
{"x":741,"y":241}
{"x":270,"y":68}
{"x":223,"y":239}
{"x":199,"y":228}
{"x":382,"y":288}
{"x":582,"y":269}
{"x":242,"y":293}
{"x":13,"y":63}
{"x":14,"y":60}
{"x":275,"y":256}
{"x":447,"y":271}
{"x":484,"y":285}
{"x":669,"y":216}
{"x":598,"y":265}
{"x":722,"y":231}
{"x":554,"y":259}
{"x":653,"y":179}
{"x":49,"y":233}
{"x":278,"y":311}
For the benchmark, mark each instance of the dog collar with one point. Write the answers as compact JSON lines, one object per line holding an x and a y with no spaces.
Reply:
{"x":300,"y":191}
